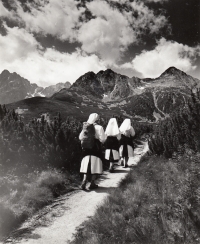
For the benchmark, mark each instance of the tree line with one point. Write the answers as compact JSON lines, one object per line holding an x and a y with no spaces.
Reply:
{"x":38,"y":144}
{"x":42,"y":144}
{"x":180,"y":132}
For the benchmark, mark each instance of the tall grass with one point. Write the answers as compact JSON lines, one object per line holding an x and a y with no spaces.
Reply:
{"x":20,"y":197}
{"x":158,"y":202}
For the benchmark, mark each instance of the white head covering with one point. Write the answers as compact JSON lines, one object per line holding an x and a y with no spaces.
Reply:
{"x":112,"y":128}
{"x":125,"y":126}
{"x":92,"y":118}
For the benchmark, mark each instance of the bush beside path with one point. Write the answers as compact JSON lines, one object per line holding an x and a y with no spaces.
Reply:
{"x":58,"y":223}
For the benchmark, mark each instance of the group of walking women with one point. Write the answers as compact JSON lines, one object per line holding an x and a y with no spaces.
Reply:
{"x":118,"y":145}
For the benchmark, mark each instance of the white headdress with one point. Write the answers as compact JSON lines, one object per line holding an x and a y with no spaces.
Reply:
{"x":92,"y":118}
{"x":112,"y":128}
{"x":125,"y":126}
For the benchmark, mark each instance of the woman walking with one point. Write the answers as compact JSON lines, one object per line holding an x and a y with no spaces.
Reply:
{"x":91,"y":138}
{"x":126,"y":142}
{"x":112,"y":143}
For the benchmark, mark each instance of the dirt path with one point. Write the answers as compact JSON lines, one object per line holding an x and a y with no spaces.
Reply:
{"x":58,"y":223}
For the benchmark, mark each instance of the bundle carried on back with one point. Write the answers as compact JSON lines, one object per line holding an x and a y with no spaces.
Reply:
{"x":88,"y":136}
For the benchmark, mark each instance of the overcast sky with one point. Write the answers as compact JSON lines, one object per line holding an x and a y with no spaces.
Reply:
{"x":51,"y":41}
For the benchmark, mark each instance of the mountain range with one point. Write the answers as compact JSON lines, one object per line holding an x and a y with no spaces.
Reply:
{"x":109,"y":93}
{"x":13,"y":88}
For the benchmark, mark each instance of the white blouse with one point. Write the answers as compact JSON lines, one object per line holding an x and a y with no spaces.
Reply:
{"x":130,"y":132}
{"x":99,"y":133}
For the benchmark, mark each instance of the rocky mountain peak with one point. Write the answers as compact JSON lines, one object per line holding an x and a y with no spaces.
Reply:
{"x":88,"y":83}
{"x":4,"y":76}
{"x":173,"y":77}
{"x":16,"y":79}
{"x":88,"y":75}
{"x":5,"y":72}
{"x":106,"y":83}
{"x":13,"y":88}
{"x":172,"y":71}
{"x":106,"y":73}
{"x":67,"y":84}
{"x":84,"y":80}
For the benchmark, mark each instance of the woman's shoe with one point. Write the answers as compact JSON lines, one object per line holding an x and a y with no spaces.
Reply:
{"x":126,"y":166}
{"x":93,"y":186}
{"x":83,"y":185}
{"x":111,"y":170}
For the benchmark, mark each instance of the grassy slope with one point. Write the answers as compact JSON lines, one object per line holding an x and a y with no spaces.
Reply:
{"x":22,"y":196}
{"x":157,"y":203}
{"x":38,"y":105}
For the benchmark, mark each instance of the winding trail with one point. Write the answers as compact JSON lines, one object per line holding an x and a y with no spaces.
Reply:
{"x":60,"y":221}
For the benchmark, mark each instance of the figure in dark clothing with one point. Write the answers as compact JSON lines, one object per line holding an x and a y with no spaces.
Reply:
{"x":126,"y":143}
{"x":91,"y":163}
{"x":112,"y":143}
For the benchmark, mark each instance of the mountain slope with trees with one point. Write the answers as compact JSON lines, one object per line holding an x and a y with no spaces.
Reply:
{"x":108,"y":92}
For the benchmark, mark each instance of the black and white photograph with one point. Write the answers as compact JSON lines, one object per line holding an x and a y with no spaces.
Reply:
{"x":100,"y":121}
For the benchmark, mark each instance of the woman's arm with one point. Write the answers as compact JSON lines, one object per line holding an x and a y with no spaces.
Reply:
{"x":81,"y":136}
{"x":100,"y":134}
{"x":132,"y":132}
{"x":118,"y":137}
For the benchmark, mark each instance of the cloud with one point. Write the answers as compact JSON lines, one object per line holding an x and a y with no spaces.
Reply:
{"x":3,"y":11}
{"x":108,"y":34}
{"x":58,"y":18}
{"x":157,"y":1}
{"x":113,"y":30}
{"x":125,"y":1}
{"x":113,"y":27}
{"x":166,"y":53}
{"x":145,"y":20}
{"x":126,"y":69}
{"x":103,"y":37}
{"x":17,"y":44}
{"x":21,"y":53}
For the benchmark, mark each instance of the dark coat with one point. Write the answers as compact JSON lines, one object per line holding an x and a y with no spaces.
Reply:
{"x":112,"y":143}
{"x":95,"y":151}
{"x":125,"y":141}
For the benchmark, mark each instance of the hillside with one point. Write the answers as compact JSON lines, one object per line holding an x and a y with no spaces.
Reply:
{"x":154,"y":103}
{"x":110,"y":93}
{"x":35,"y":107}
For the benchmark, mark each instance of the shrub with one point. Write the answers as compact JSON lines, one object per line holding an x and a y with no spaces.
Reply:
{"x":35,"y":197}
{"x":54,"y":180}
{"x":8,"y":219}
{"x":22,"y":198}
